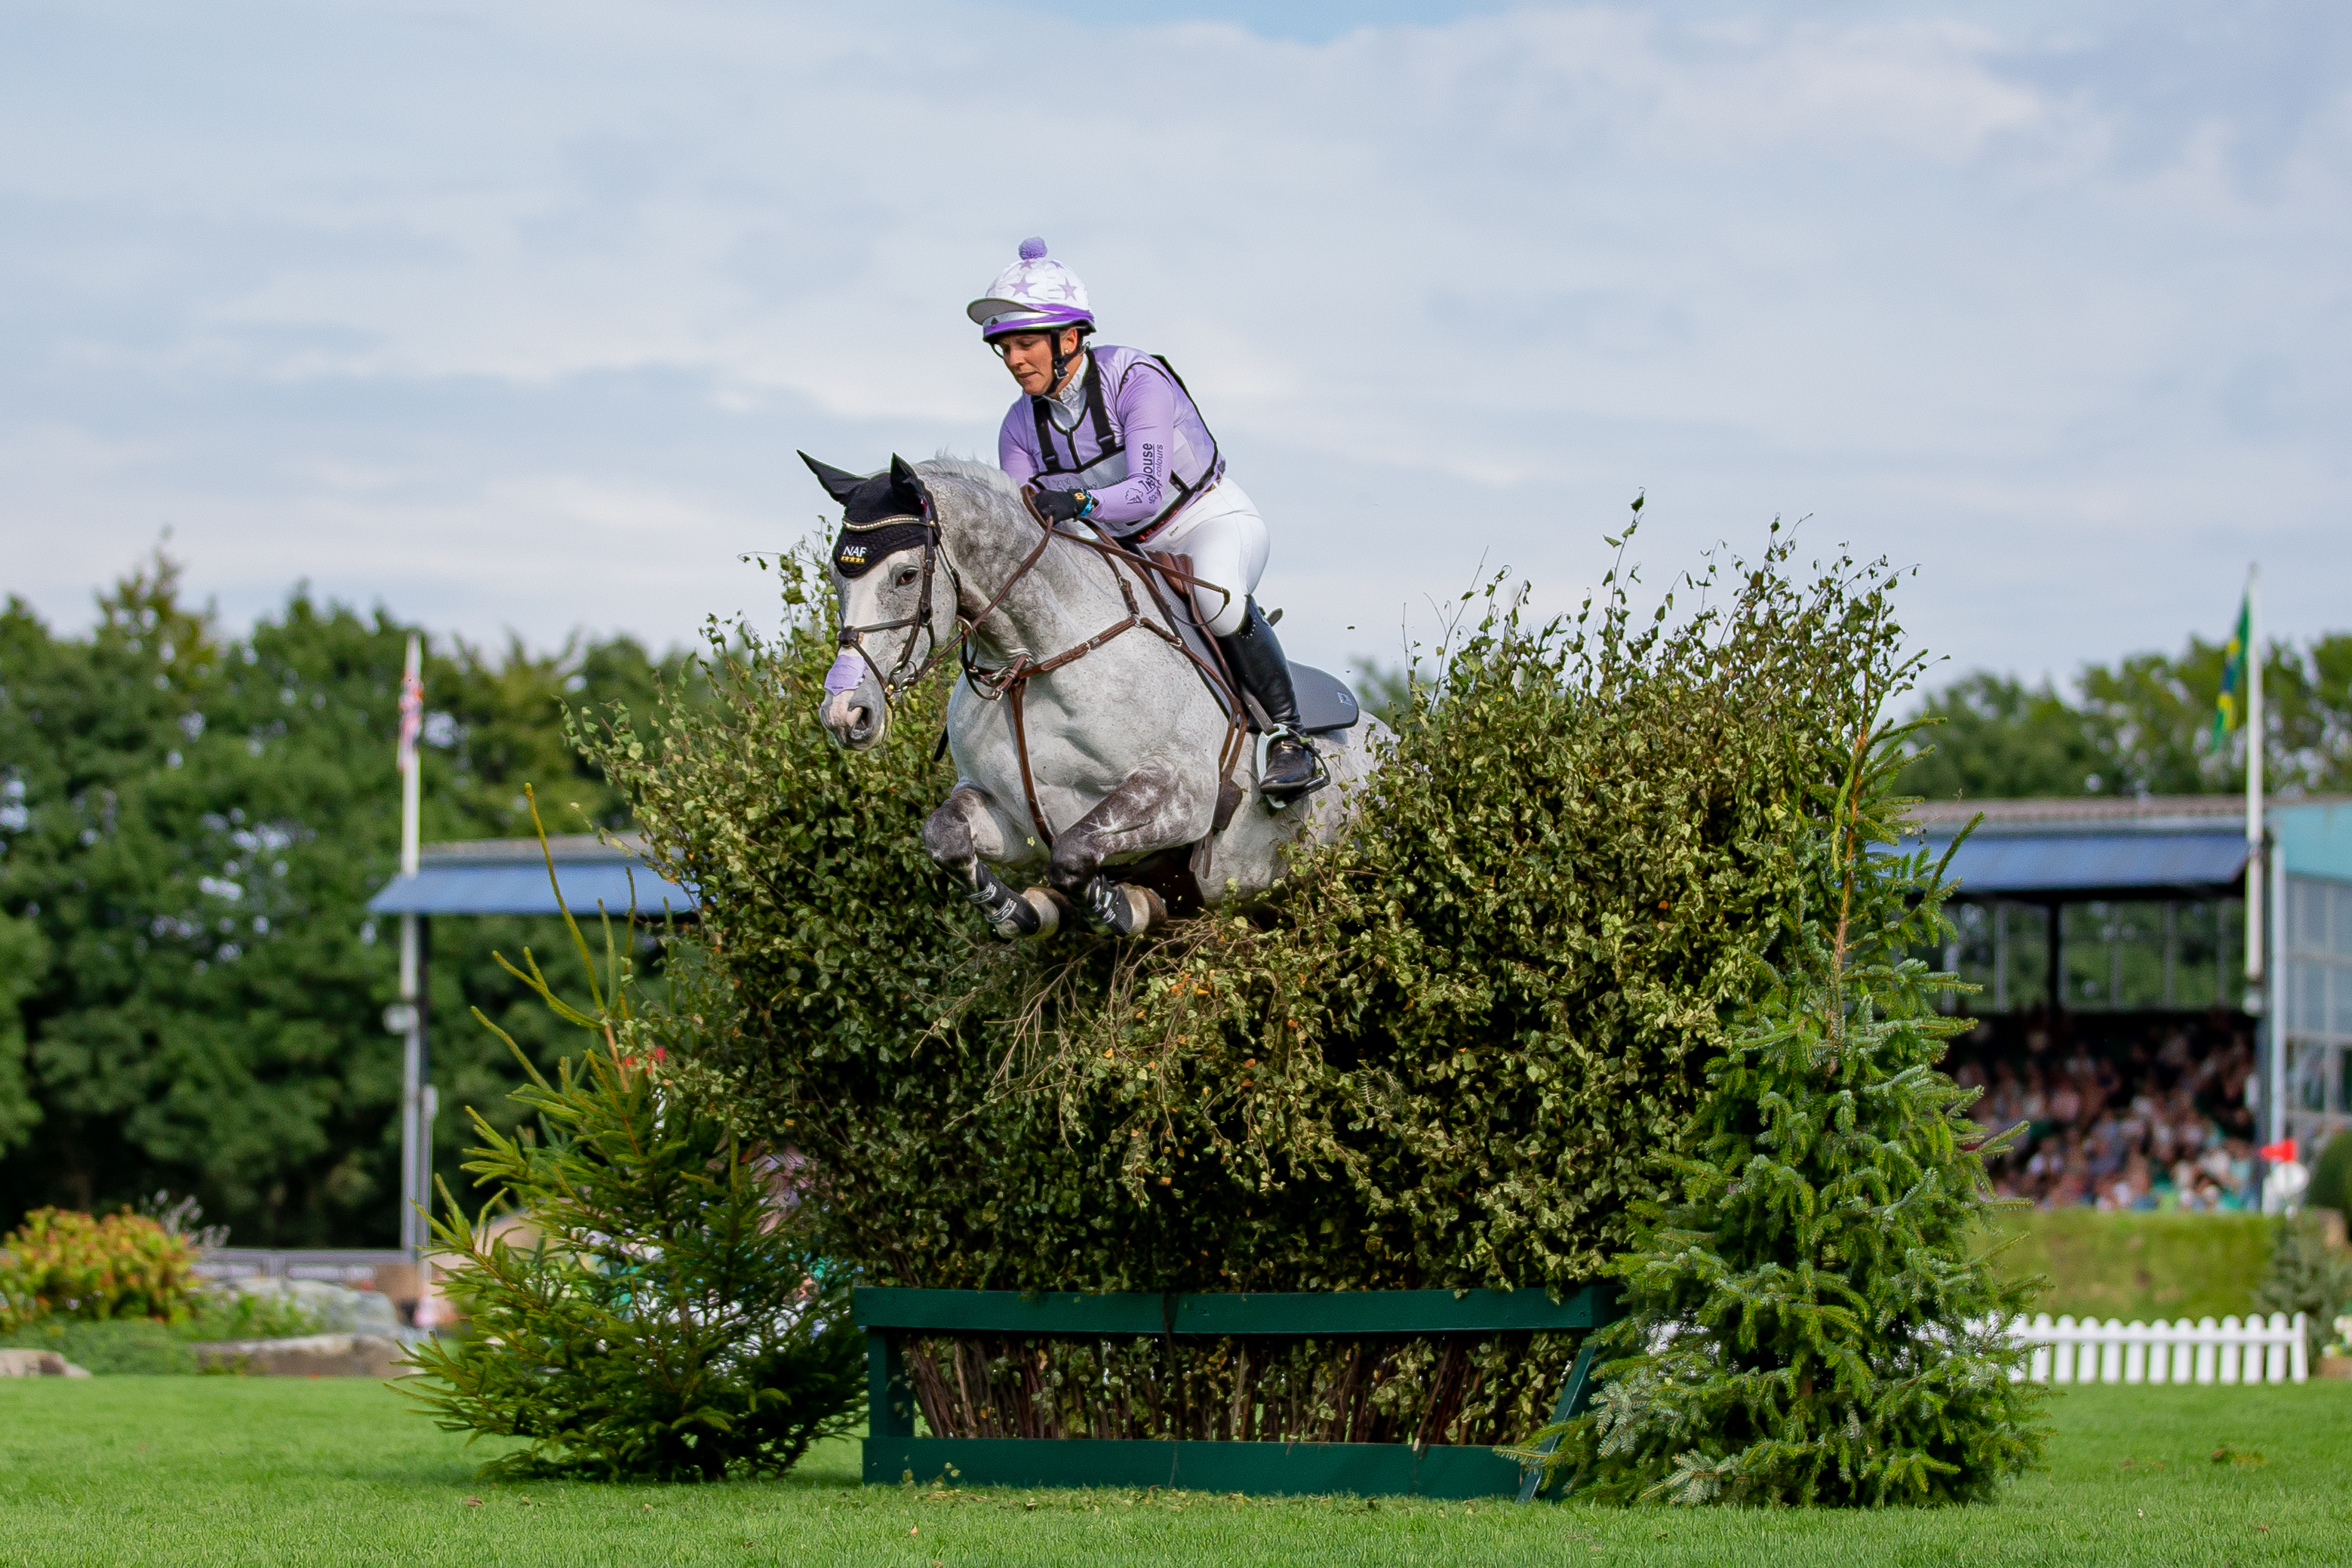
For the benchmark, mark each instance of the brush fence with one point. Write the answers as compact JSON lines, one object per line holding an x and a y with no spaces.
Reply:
{"x":895,"y":1453}
{"x":2250,"y":1349}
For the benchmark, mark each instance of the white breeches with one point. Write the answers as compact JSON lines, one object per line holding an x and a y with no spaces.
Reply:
{"x":1226,"y":539}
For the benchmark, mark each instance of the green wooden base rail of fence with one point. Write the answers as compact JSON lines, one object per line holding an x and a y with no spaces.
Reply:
{"x":894,"y":1453}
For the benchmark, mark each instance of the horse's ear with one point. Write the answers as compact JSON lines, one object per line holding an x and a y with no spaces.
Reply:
{"x":907,"y":489}
{"x":840,"y":486}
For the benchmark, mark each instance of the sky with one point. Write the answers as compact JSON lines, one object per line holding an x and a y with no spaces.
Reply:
{"x":511,"y":318}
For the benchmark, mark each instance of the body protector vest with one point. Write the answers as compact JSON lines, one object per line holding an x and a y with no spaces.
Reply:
{"x":1086,"y":448}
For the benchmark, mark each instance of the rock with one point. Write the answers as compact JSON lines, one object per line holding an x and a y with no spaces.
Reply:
{"x":38,"y":1363}
{"x":338,"y":1308}
{"x":312,"y":1355}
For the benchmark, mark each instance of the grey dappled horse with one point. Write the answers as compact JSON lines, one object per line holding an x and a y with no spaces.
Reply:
{"x":1123,"y":740}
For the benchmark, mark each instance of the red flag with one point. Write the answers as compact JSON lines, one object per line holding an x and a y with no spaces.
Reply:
{"x":2279,"y":1153}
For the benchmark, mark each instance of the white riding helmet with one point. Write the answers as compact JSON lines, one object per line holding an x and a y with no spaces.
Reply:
{"x":1033,"y":295}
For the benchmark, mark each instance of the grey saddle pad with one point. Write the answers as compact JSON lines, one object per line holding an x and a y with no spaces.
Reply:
{"x":1324,"y":700}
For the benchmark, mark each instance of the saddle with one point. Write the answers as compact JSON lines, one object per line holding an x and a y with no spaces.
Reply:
{"x":1325,"y":703}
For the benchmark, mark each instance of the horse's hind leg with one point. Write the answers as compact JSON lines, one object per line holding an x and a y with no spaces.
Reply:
{"x":1147,"y":811}
{"x":957,"y":835}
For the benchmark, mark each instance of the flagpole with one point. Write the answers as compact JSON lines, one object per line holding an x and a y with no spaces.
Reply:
{"x":413,"y":1168}
{"x":2260,"y":995}
{"x":2254,"y":856}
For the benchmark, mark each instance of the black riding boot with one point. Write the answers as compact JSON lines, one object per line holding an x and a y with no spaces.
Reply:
{"x":1292,"y":768}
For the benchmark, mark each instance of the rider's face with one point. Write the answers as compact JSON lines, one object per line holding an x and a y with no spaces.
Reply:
{"x":1030,"y":357}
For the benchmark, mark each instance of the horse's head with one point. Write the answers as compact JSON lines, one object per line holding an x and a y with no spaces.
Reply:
{"x":897,"y":605}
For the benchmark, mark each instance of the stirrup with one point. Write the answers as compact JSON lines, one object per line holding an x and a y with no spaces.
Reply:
{"x":1284,"y":793}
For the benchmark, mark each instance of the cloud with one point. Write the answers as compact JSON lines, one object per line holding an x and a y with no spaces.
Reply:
{"x":2045,"y":299}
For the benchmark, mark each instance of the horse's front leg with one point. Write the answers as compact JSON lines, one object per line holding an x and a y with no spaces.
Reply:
{"x":1148,"y":812}
{"x":962,"y":835}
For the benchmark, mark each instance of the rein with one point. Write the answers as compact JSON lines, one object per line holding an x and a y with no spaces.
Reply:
{"x":1011,"y":682}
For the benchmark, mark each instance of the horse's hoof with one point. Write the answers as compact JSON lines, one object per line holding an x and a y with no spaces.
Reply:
{"x":1010,"y":916}
{"x":1122,"y":909}
{"x":1048,"y":908}
{"x":1017,"y":920}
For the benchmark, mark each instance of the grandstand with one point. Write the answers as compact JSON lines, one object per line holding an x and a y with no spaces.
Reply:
{"x":2105,"y":938}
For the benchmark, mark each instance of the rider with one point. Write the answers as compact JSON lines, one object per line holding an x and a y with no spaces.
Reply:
{"x":1112,"y":436}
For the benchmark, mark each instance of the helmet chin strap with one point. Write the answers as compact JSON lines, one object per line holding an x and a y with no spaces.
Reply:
{"x":1061,"y":360}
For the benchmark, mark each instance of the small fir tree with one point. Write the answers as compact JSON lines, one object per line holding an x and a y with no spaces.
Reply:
{"x":2306,"y":1274}
{"x":667,"y":1321}
{"x":1814,"y":1322}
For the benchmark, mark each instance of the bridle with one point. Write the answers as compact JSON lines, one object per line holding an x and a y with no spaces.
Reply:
{"x":905,"y":673}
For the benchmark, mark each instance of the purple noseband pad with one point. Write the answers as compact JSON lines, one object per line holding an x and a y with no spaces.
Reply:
{"x":847,"y":672}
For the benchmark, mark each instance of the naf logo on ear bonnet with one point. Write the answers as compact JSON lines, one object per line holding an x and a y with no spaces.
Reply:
{"x":881,"y":513}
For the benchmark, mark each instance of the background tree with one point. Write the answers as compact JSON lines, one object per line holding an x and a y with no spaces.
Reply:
{"x":23,"y":957}
{"x":191,"y":825}
{"x":2139,"y":726}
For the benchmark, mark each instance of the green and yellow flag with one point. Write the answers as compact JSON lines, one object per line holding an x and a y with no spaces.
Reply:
{"x":2227,"y":712}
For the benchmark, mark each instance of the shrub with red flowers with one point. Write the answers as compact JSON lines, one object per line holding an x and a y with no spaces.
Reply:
{"x":64,"y":1264}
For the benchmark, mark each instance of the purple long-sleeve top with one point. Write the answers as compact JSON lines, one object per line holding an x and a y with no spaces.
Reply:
{"x":1124,"y":431}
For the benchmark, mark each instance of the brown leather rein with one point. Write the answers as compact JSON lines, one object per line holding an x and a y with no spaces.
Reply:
{"x":1011,"y":682}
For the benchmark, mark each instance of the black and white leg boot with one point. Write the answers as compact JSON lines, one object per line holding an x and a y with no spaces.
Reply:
{"x":1121,"y":909}
{"x":1009,"y":914}
{"x":1292,"y":768}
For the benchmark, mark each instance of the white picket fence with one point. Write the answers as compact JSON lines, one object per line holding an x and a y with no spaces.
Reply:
{"x":2256,"y":1350}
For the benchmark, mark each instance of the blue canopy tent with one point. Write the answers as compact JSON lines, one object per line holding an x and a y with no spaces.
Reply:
{"x":510,"y":877}
{"x":2052,"y":853}
{"x":2047,"y":866}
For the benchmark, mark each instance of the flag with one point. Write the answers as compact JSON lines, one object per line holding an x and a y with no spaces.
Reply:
{"x":412,"y":711}
{"x":2226,"y":716}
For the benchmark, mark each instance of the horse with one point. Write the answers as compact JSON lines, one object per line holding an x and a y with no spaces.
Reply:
{"x":1090,"y":738}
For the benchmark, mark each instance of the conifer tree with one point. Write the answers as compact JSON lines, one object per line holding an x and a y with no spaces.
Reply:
{"x":1814,"y":1321}
{"x":669,"y":1320}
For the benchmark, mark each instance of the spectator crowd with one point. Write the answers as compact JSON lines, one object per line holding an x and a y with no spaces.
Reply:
{"x":2150,"y":1117}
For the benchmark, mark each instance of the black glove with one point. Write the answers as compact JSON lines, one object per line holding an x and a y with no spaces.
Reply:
{"x":1061,"y":506}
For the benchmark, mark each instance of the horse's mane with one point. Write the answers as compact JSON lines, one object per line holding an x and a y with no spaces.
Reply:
{"x":983,"y":484}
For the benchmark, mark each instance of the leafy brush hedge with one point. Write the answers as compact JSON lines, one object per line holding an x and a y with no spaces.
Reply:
{"x":1453,"y":1054}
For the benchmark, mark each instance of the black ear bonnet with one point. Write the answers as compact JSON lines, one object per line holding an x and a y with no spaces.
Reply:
{"x":882,"y":513}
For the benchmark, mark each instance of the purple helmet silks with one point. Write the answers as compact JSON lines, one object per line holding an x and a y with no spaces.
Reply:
{"x":1035,"y":294}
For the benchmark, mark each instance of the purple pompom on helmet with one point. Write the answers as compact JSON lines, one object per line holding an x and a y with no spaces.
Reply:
{"x":1035,"y":294}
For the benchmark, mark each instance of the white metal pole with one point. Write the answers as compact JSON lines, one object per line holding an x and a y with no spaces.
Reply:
{"x":2254,"y":857}
{"x":414,"y":1130}
{"x":412,"y":1065}
{"x":2274,"y":998}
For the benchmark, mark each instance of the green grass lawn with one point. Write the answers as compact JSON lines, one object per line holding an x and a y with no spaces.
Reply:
{"x":232,"y":1470}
